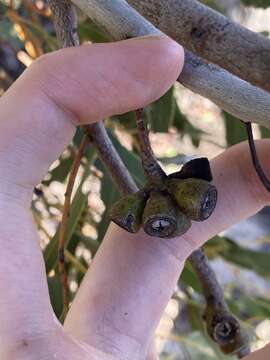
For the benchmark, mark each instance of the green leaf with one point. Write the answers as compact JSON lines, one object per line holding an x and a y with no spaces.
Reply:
{"x":249,"y":307}
{"x":109,"y":195}
{"x":78,"y":205}
{"x":56,"y":294}
{"x":91,"y":31}
{"x":250,"y":259}
{"x":235,"y":129}
{"x":265,"y":133}
{"x":60,"y":172}
{"x":195,"y":312}
{"x":161,"y":114}
{"x":3,"y":9}
{"x":189,"y":278}
{"x":9,"y":34}
{"x":199,"y":347}
{"x":184,"y":126}
{"x":257,"y":3}
{"x":127,"y":120}
{"x":194,"y":133}
{"x":130,"y":159}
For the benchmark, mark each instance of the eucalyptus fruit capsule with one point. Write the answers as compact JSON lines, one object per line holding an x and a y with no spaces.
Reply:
{"x":195,"y":197}
{"x":127,"y":212}
{"x":162,"y":217}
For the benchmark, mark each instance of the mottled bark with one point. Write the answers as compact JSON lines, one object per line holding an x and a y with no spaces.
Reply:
{"x":212,"y":36}
{"x":221,"y":325}
{"x":231,"y":93}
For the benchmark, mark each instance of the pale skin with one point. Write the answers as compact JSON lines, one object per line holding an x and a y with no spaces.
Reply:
{"x":123,"y":295}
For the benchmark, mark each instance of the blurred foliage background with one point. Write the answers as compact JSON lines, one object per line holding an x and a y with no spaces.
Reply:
{"x":183,"y":125}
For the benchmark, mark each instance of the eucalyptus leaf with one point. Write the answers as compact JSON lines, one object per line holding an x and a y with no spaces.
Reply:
{"x":162,"y":112}
{"x":78,"y":205}
{"x":235,"y":129}
{"x":56,"y":294}
{"x":256,"y":261}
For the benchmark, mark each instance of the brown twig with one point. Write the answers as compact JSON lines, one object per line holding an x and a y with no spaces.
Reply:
{"x":221,"y":325}
{"x":64,"y":222}
{"x":152,"y":169}
{"x":255,"y":159}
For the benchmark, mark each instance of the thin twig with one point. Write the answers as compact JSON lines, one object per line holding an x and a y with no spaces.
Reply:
{"x":152,"y":169}
{"x":63,"y":226}
{"x":110,"y":157}
{"x":255,"y":159}
{"x":222,"y":326}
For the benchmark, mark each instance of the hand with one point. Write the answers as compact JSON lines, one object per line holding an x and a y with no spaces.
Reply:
{"x":113,"y":315}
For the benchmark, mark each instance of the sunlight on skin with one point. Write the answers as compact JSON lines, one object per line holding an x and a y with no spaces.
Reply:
{"x":114,"y":312}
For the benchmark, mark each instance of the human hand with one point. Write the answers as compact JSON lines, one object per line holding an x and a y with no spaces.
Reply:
{"x":113,"y":315}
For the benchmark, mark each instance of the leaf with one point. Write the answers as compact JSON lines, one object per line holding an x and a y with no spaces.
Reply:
{"x":162,"y":112}
{"x":77,"y":207}
{"x":56,"y":294}
{"x":257,"y":261}
{"x":189,"y":278}
{"x":194,"y":133}
{"x":257,"y":3}
{"x":109,"y":195}
{"x":9,"y":34}
{"x":60,"y":172}
{"x":91,"y":31}
{"x":265,"y":133}
{"x":200,"y":347}
{"x":195,"y":312}
{"x":249,"y":307}
{"x":184,"y":126}
{"x":3,"y":9}
{"x":235,"y":129}
{"x":130,"y":159}
{"x":127,"y":120}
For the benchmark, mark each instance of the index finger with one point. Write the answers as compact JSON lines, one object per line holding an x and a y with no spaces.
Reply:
{"x":133,"y":276}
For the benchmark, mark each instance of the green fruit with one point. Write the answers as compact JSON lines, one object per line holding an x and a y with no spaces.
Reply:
{"x":162,"y":218}
{"x":196,"y":198}
{"x":127,"y":212}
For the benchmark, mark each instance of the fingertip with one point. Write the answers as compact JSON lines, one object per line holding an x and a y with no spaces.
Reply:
{"x":95,"y":81}
{"x":164,"y":66}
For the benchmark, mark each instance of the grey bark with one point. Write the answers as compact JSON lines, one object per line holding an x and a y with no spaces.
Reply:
{"x":232,"y":94}
{"x":212,"y":36}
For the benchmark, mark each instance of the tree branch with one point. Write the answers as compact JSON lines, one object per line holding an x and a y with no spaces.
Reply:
{"x":236,"y":96}
{"x":152,"y":169}
{"x":110,"y":157}
{"x":222,"y":327}
{"x":212,"y":36}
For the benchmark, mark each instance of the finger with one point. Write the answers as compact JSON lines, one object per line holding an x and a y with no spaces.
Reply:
{"x":37,"y":119}
{"x":261,"y":354}
{"x":133,"y":276}
{"x":75,"y":86}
